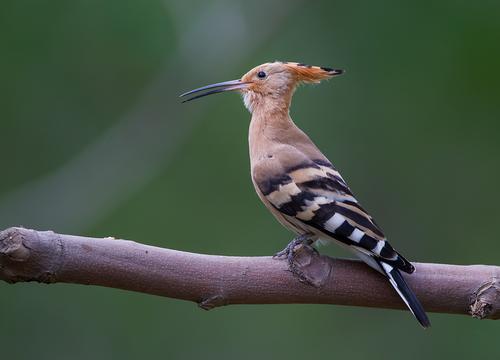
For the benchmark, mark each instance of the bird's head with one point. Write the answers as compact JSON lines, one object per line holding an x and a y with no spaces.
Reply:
{"x":269,"y":84}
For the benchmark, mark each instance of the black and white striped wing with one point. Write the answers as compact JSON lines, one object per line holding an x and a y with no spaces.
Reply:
{"x":315,"y":194}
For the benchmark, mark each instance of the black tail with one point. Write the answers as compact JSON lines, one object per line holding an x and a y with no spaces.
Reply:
{"x":406,"y":294}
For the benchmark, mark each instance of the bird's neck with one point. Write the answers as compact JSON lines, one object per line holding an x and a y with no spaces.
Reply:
{"x":270,"y":126}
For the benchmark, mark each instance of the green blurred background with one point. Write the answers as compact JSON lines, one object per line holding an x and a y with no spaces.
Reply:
{"x":95,"y":142}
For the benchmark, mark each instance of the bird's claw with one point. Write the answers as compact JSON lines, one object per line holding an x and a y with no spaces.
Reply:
{"x":288,"y":252}
{"x":304,"y":241}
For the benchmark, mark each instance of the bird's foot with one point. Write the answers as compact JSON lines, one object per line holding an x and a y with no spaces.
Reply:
{"x":304,"y":241}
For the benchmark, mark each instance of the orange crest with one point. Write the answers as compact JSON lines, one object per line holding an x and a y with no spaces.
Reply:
{"x":312,"y":74}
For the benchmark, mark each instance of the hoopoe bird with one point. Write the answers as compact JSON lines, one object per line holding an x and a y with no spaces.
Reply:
{"x":298,"y":184}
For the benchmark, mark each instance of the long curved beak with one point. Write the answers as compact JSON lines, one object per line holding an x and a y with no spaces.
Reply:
{"x":216,"y":88}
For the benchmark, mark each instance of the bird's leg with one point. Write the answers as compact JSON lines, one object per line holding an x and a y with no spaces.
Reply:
{"x":308,"y":266}
{"x":305,"y":240}
{"x":301,"y":241}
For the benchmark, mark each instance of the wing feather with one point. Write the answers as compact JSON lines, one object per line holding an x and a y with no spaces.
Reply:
{"x":315,"y":194}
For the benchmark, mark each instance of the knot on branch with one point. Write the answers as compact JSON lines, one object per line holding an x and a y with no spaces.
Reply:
{"x":22,"y":255}
{"x":12,"y":251}
{"x":311,"y":267}
{"x":12,"y":246}
{"x":484,"y":301}
{"x":212,"y":302}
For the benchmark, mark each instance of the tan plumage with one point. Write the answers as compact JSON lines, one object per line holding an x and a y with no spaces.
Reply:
{"x":298,"y":184}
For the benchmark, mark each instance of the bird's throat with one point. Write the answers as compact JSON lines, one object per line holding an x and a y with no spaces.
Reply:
{"x":267,"y":104}
{"x":266,"y":129}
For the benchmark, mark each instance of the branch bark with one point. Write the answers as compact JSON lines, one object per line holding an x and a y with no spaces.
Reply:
{"x":211,"y":281}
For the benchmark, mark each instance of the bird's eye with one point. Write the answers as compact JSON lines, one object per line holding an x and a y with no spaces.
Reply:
{"x":261,"y":74}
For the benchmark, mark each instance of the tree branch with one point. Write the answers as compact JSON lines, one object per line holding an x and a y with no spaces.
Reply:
{"x":211,"y":281}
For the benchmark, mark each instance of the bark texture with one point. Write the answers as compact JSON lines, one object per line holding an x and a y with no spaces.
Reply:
{"x":211,"y":280}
